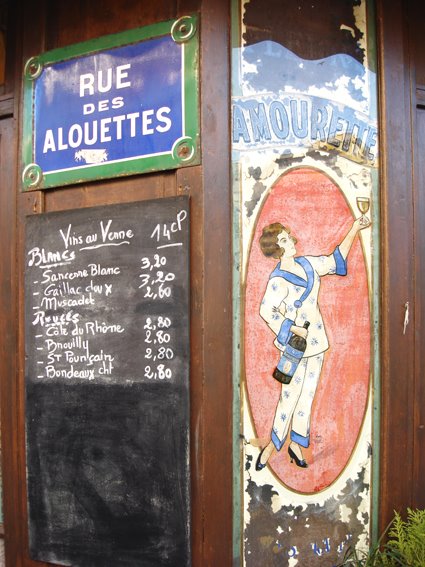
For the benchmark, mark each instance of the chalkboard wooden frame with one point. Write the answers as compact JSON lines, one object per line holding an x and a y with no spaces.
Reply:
{"x":107,"y":384}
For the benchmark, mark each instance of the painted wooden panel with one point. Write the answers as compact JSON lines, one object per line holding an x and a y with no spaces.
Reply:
{"x":305,"y":154}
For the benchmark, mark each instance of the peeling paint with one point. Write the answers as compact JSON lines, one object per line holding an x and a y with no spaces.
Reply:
{"x":315,"y":531}
{"x":282,"y":21}
{"x":258,"y":188}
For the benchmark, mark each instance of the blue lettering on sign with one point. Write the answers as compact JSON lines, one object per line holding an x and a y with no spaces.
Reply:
{"x":119,"y":104}
{"x":293,"y":120}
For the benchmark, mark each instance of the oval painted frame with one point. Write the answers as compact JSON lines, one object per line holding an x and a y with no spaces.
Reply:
{"x":308,"y":202}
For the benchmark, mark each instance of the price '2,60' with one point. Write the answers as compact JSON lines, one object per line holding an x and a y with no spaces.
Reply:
{"x":163,"y":291}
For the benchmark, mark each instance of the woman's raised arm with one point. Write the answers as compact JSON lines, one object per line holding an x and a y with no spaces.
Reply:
{"x":358,"y":225}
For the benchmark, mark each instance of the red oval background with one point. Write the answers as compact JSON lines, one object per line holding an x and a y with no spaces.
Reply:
{"x":314,"y":208}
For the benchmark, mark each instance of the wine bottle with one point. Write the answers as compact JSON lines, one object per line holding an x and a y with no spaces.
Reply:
{"x":290,"y":359}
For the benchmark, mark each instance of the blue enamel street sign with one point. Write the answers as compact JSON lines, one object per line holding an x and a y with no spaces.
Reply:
{"x":118,"y":105}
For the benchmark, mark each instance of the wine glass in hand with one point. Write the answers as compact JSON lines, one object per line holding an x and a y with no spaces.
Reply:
{"x":363,"y":204}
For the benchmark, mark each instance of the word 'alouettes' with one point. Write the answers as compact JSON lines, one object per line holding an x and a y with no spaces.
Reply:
{"x":110,"y":128}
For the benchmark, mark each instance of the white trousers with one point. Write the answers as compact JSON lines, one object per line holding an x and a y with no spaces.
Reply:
{"x":293,"y":410}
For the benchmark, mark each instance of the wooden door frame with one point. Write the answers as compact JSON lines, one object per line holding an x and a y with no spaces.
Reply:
{"x":396,"y":105}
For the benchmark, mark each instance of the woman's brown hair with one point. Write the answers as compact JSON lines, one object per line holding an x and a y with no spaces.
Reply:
{"x":268,"y":240}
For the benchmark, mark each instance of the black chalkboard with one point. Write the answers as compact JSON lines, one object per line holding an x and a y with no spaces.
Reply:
{"x":107,"y":385}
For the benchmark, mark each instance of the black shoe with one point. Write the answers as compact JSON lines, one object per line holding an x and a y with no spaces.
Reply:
{"x":300,"y":463}
{"x":259,"y":465}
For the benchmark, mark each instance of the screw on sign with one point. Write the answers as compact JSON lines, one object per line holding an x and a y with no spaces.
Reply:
{"x":184,"y":151}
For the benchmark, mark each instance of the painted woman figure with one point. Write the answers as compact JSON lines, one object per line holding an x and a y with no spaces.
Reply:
{"x":291,"y":299}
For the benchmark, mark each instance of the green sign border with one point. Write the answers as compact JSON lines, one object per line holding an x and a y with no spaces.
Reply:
{"x":186,"y":151}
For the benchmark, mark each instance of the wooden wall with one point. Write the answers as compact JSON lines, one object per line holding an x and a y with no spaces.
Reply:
{"x":402,"y":72}
{"x":46,"y":25}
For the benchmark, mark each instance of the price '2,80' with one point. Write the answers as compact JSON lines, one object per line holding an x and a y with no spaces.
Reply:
{"x":161,"y":373}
